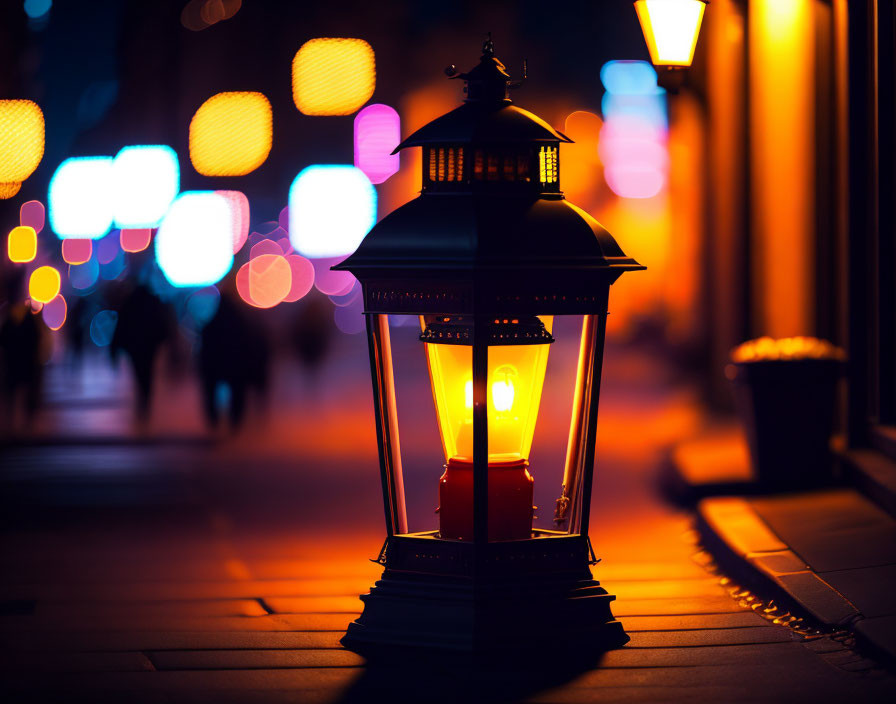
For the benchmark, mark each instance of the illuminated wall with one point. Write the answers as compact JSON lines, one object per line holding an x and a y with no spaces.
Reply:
{"x":782,"y":142}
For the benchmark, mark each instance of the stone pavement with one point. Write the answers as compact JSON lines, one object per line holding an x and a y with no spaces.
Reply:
{"x":228,"y":572}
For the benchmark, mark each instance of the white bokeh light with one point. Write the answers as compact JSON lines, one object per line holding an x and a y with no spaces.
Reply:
{"x":146,"y":179}
{"x":81,"y":198}
{"x":331,"y":208}
{"x":194,"y":244}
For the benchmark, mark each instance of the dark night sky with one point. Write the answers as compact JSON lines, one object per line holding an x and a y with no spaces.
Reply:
{"x":152,"y":73}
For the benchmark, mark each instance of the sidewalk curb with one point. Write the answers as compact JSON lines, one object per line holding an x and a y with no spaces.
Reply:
{"x":746,"y":548}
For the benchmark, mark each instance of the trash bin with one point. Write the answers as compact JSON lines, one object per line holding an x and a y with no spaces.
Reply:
{"x":785,"y":391}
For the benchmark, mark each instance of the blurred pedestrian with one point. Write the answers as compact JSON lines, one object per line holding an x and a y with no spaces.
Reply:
{"x":21,"y":344}
{"x":235,"y":354}
{"x":144,"y":325}
{"x":312,"y":333}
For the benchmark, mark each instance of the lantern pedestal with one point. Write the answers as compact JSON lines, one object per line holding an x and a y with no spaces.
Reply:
{"x":534,"y":595}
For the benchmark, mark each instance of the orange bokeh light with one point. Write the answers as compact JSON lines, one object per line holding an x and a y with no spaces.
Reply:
{"x":8,"y":190}
{"x":264,"y":281}
{"x":231,"y":134}
{"x":333,"y":76}
{"x":21,"y":141}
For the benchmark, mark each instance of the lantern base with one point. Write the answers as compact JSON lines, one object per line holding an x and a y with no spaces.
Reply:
{"x":551,"y":618}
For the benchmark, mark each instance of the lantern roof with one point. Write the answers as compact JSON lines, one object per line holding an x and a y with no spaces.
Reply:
{"x":514,"y":234}
{"x":487,"y":115}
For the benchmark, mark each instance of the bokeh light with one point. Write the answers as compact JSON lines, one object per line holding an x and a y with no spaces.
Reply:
{"x":194,"y":244}
{"x":350,"y":318}
{"x":239,"y":208}
{"x":33,"y":214}
{"x":265,"y":246}
{"x":102,"y":327}
{"x":107,"y":248}
{"x":346,"y":299}
{"x":202,"y":305}
{"x":84,"y":276}
{"x":202,"y":14}
{"x":146,"y":179}
{"x":36,"y":9}
{"x":333,"y":76}
{"x":231,"y":133}
{"x":55,"y":312}
{"x":633,"y":139}
{"x":80,"y":197}
{"x":265,"y":281}
{"x":329,"y":282}
{"x":377,"y":133}
{"x":21,"y":139}
{"x":8,"y":190}
{"x":76,"y":251}
{"x":302,"y":278}
{"x":21,"y":244}
{"x":43,"y":286}
{"x":331,"y":209}
{"x":135,"y":240}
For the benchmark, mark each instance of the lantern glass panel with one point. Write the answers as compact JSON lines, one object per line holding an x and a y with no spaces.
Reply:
{"x":515,"y":381}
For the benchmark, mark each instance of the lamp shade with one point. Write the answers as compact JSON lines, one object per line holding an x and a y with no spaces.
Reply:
{"x":671,"y":28}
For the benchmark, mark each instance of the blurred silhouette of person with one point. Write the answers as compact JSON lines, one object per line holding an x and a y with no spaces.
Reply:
{"x":234,"y":351}
{"x":312,"y":333}
{"x":21,"y":340}
{"x":144,"y":324}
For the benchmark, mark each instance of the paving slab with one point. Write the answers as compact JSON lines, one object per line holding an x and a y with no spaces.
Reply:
{"x":879,"y":634}
{"x":252,"y":659}
{"x":872,"y":589}
{"x":831,"y":530}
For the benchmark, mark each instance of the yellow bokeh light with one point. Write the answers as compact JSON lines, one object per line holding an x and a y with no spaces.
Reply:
{"x":333,"y":76}
{"x":43,"y":286}
{"x":8,"y":190}
{"x":231,"y":133}
{"x":21,"y":245}
{"x":21,"y":141}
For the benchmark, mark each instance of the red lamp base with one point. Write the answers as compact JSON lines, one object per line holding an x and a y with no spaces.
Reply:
{"x":509,"y":501}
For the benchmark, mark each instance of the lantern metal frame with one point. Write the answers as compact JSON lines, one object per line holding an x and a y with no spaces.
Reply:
{"x":479,"y":252}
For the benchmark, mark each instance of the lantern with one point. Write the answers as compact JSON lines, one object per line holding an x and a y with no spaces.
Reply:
{"x":487,"y":256}
{"x":671,"y":28}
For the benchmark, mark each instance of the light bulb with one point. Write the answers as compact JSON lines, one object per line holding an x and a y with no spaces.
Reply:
{"x":502,"y":394}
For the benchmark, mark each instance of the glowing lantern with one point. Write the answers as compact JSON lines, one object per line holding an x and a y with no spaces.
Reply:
{"x":487,"y":256}
{"x":80,"y":197}
{"x":231,"y":133}
{"x":146,"y":180}
{"x":21,"y":141}
{"x":194,"y":244}
{"x":76,"y":251}
{"x":43,"y":286}
{"x":671,"y":28}
{"x":333,"y":76}
{"x":377,"y":133}
{"x":331,"y":208}
{"x":21,"y":245}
